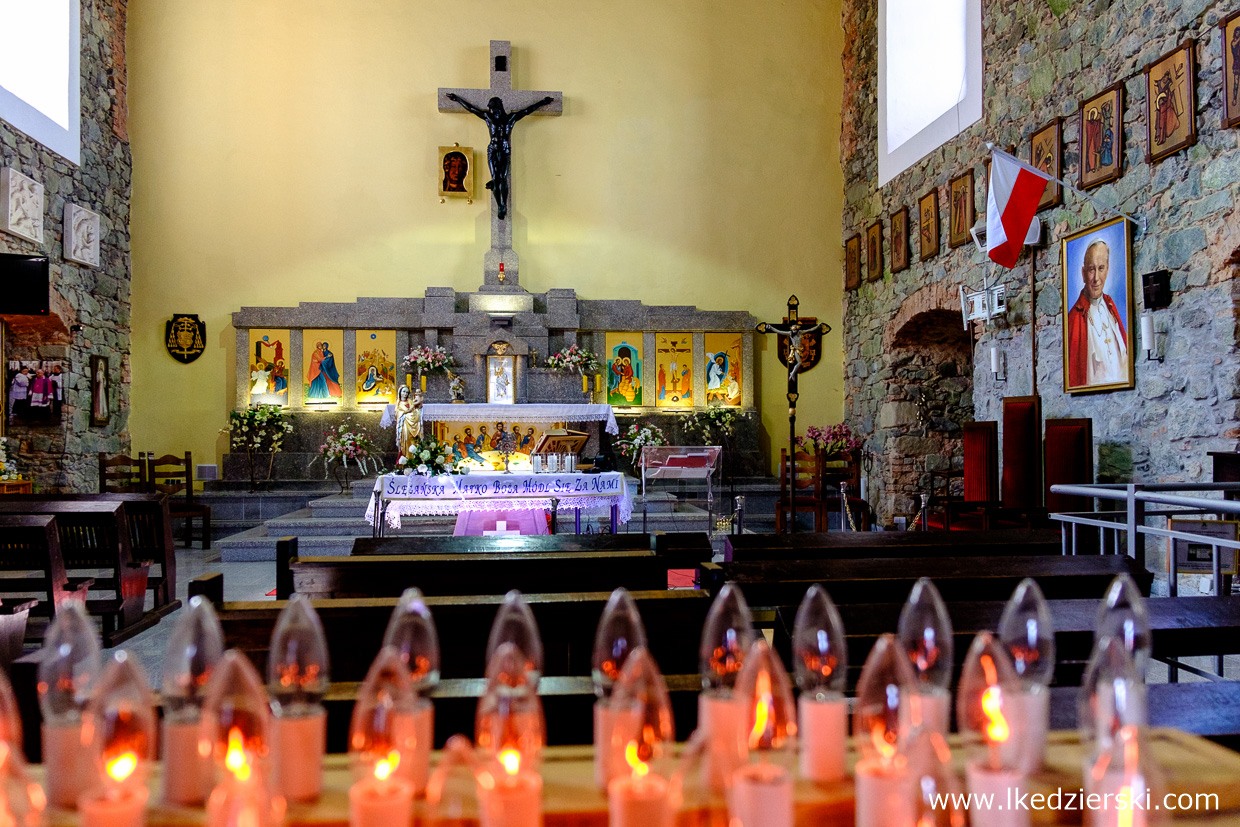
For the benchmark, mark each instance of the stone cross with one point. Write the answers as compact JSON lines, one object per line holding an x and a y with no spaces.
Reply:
{"x":500,"y":264}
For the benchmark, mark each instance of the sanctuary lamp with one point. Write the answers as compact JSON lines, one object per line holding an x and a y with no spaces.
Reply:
{"x":297,"y":678}
{"x":70,"y":666}
{"x":1027,"y":631}
{"x":884,"y":782}
{"x":196,"y":646}
{"x":118,"y":731}
{"x":925,"y":632}
{"x":510,"y":735}
{"x":726,"y":637}
{"x":380,"y":741}
{"x":995,"y":734}
{"x":411,"y":631}
{"x":620,"y":632}
{"x":641,"y":717}
{"x":820,"y":662}
{"x":762,"y":794}
{"x":514,"y":623}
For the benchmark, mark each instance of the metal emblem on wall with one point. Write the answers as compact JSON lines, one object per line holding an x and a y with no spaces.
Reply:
{"x":811,"y":344}
{"x":185,"y":337}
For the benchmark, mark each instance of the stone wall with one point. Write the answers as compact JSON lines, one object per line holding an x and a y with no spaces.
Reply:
{"x":1040,"y":66}
{"x":63,"y":457}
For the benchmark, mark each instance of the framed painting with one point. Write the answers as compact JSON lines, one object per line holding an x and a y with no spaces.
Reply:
{"x":1046,"y":153}
{"x":928,"y":225}
{"x":501,"y":380}
{"x":81,"y":243}
{"x":852,"y":263}
{"x":100,"y":392}
{"x":21,"y":205}
{"x":36,"y":391}
{"x":376,"y":367}
{"x":457,"y":166}
{"x":673,"y":364}
{"x":899,"y":240}
{"x":723,"y":366}
{"x":624,"y":369}
{"x":1097,"y":312}
{"x":1170,"y":102}
{"x":1231,"y":69}
{"x":874,"y":251}
{"x":269,"y":366}
{"x":960,"y":196}
{"x":1102,"y":137}
{"x":320,"y":351}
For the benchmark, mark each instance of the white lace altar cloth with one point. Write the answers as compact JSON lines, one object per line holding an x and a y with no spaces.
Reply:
{"x":450,"y":494}
{"x":541,"y":414}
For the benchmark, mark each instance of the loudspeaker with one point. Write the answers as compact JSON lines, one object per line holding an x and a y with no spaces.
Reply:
{"x":1157,"y":289}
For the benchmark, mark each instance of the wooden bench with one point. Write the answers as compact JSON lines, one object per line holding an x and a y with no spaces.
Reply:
{"x":150,"y":537}
{"x":31,"y":542}
{"x":784,"y":582}
{"x":1210,"y":709}
{"x":680,"y":549}
{"x":95,"y":535}
{"x":875,"y":544}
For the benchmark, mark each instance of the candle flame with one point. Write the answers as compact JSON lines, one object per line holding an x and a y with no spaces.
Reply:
{"x":122,"y":766}
{"x":1125,"y":814}
{"x":884,"y":741}
{"x":639,"y":766}
{"x":510,"y":760}
{"x":997,"y":728}
{"x":384,"y":767}
{"x":235,"y":759}
{"x":763,"y":700}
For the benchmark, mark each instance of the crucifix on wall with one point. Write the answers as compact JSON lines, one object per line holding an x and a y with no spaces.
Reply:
{"x":500,"y":107}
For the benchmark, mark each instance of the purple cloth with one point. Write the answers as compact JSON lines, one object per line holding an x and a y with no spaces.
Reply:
{"x":473,"y":523}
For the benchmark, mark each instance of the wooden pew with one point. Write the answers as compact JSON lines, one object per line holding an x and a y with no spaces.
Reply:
{"x":31,"y":542}
{"x":150,"y":537}
{"x":1210,"y":709}
{"x":95,"y":535}
{"x":783,"y":582}
{"x":680,"y":549}
{"x":876,"y":544}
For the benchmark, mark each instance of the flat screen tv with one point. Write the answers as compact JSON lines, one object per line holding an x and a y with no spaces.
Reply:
{"x":24,"y":285}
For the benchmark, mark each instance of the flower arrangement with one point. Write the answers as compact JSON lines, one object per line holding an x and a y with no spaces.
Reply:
{"x":345,"y":444}
{"x":429,"y":359}
{"x":428,"y":456}
{"x":258,"y":429}
{"x":8,"y":465}
{"x":574,"y":359}
{"x":711,"y":425}
{"x":638,"y":436}
{"x":838,"y":439}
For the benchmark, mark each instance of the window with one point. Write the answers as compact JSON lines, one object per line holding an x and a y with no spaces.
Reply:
{"x":39,"y":76}
{"x":929,"y":77}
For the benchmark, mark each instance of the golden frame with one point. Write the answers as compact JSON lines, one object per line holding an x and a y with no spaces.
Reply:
{"x":464,"y":188}
{"x":1072,"y":250}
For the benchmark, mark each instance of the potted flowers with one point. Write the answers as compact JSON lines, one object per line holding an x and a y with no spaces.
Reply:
{"x":574,"y":359}
{"x":257,"y":430}
{"x":637,"y":437}
{"x":428,"y":359}
{"x":428,"y":457}
{"x":342,"y":446}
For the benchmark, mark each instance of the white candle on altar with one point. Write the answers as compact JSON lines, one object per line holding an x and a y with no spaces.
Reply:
{"x":513,"y":801}
{"x":822,"y":735}
{"x":1032,"y":707}
{"x":820,"y":657}
{"x":125,"y":810}
{"x":300,"y":742}
{"x":62,"y":749}
{"x":187,"y":772}
{"x":762,"y":796}
{"x":608,"y":758}
{"x":419,"y":730}
{"x":1002,"y":787}
{"x":884,"y":796}
{"x":297,"y":677}
{"x":386,"y":803}
{"x":721,"y":715}
{"x":638,"y":801}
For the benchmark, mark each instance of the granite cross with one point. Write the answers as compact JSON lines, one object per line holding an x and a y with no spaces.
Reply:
{"x":500,"y":107}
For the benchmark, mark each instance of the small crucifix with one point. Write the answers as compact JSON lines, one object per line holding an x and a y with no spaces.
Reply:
{"x":796,"y":331}
{"x":500,"y":107}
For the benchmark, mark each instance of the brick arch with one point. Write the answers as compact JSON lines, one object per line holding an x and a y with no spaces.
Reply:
{"x":937,"y":296}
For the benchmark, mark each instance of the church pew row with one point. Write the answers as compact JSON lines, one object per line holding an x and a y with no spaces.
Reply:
{"x":31,"y":543}
{"x":1180,"y":626}
{"x":774,"y":583}
{"x":877,"y":544}
{"x":680,"y":549}
{"x":95,"y":535}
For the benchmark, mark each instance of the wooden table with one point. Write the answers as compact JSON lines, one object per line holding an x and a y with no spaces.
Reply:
{"x":570,"y":799}
{"x":17,"y":487}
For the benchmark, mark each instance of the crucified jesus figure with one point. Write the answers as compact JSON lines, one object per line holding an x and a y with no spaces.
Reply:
{"x":499,"y":123}
{"x":796,"y":336}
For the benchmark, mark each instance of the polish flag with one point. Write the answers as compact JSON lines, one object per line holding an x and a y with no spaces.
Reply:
{"x":1015,"y":190}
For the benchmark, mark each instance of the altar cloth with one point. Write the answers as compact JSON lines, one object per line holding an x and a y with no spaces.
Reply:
{"x":541,"y":414}
{"x":450,"y":494}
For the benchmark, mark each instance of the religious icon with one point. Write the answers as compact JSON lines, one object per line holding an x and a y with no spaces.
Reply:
{"x":36,"y":391}
{"x":456,"y":171}
{"x":960,"y":192}
{"x":21,"y":205}
{"x":723,"y":368}
{"x":928,"y":224}
{"x":852,"y":263}
{"x":1102,"y":137}
{"x":1046,"y":153}
{"x":376,"y":367}
{"x":500,"y":381}
{"x":100,"y":387}
{"x":1170,"y":104}
{"x":1231,"y":69}
{"x":673,"y":370}
{"x":1097,"y":290}
{"x":899,"y":240}
{"x":321,"y":349}
{"x":185,"y":337}
{"x":874,"y":246}
{"x":624,"y":369}
{"x":81,"y":242}
{"x":269,"y":367}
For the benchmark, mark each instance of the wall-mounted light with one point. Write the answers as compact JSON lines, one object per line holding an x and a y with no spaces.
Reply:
{"x":1149,"y":339}
{"x":998,"y":364}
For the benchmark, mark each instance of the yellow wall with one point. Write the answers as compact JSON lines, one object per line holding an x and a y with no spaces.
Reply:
{"x":285,"y":151}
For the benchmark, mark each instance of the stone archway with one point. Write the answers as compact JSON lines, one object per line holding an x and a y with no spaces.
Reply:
{"x":929,"y":396}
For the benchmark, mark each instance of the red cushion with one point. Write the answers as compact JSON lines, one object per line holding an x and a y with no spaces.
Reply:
{"x":981,"y":462}
{"x":1022,"y":452}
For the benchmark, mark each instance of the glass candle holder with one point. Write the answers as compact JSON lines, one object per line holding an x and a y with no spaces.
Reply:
{"x":994,"y":733}
{"x":820,"y":662}
{"x":66,"y":675}
{"x":1122,"y":615}
{"x":620,"y":631}
{"x":1027,"y":631}
{"x":727,"y":635}
{"x":297,"y":679}
{"x":510,"y":734}
{"x":514,"y":623}
{"x":118,"y":727}
{"x":926,"y":634}
{"x":762,"y":789}
{"x":885,"y":794}
{"x":640,"y":793}
{"x":411,"y":631}
{"x":194,"y":649}
{"x":379,"y":744}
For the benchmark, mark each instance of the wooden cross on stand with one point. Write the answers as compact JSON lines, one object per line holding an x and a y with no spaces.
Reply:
{"x":500,"y":107}
{"x":804,"y":350}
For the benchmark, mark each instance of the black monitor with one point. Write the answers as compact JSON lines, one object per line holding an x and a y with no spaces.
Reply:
{"x":24,"y":285}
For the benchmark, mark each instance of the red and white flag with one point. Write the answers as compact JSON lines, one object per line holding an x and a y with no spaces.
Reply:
{"x":1015,"y":190}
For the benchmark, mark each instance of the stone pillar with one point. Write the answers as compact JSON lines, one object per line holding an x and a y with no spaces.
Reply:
{"x":402,"y":350}
{"x":699,"y":372}
{"x":649,"y":344}
{"x":296,"y":369}
{"x":348,"y":372}
{"x":243,"y":369}
{"x":747,"y":396}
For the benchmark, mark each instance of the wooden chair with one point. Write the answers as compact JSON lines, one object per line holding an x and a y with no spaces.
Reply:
{"x":981,"y":481}
{"x":171,"y":475}
{"x":804,"y":492}
{"x":1069,"y":460}
{"x":1022,"y":466}
{"x":121,"y":474}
